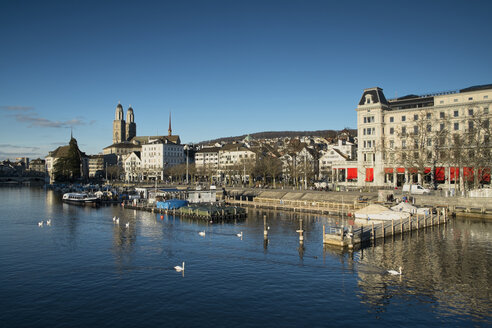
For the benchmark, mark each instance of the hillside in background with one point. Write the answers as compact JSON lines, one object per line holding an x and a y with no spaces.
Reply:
{"x":283,"y":134}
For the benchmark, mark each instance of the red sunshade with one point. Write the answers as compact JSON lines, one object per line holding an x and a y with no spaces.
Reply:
{"x":412,"y":170}
{"x":351,"y":173}
{"x":370,"y":175}
{"x":468,"y":173}
{"x":427,"y":170}
{"x":400,"y":170}
{"x":484,"y":175}
{"x":388,"y":170}
{"x":440,"y":174}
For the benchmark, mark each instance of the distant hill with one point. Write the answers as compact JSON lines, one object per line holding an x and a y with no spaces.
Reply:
{"x":283,"y":134}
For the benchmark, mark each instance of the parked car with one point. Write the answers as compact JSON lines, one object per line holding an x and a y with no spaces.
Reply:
{"x":415,"y":189}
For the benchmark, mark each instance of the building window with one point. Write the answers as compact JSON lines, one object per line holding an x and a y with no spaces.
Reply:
{"x":441,"y":115}
{"x":403,"y":118}
{"x":392,"y":144}
{"x":415,"y":117}
{"x":429,"y":142}
{"x":403,"y":130}
{"x":486,"y":123}
{"x":470,"y":111}
{"x":470,"y":125}
{"x":392,"y":119}
{"x":455,"y":99}
{"x":456,"y":126}
{"x":392,"y":130}
{"x":486,"y":110}
{"x":441,"y":127}
{"x":456,"y":113}
{"x":429,"y":128}
{"x":428,"y":116}
{"x":470,"y":98}
{"x":485,"y":97}
{"x":403,"y":144}
{"x":441,"y":102}
{"x":415,"y":129}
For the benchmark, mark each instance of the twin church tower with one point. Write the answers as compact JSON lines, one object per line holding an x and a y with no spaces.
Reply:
{"x":124,"y":131}
{"x":127,"y":130}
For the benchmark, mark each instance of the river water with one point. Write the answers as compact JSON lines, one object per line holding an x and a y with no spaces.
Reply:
{"x":86,"y":271}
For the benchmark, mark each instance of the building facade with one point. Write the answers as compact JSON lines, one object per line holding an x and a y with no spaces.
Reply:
{"x":436,"y":138}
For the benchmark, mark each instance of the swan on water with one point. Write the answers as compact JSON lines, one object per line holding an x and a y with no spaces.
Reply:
{"x":40,"y":224}
{"x":393,"y":272}
{"x":240,"y":234}
{"x":117,"y":221}
{"x":179,"y":268}
{"x":48,"y":222}
{"x":127,"y":224}
{"x":202,"y":233}
{"x":114,"y":218}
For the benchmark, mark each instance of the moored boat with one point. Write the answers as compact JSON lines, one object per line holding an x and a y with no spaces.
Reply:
{"x":80,"y":198}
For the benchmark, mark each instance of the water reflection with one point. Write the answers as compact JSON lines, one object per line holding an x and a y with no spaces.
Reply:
{"x":446,"y":266}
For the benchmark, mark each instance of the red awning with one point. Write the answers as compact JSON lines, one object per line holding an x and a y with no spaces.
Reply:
{"x":440,"y":174}
{"x":370,"y":175}
{"x":484,"y":175}
{"x":468,"y":173}
{"x":427,"y":170}
{"x":400,"y":170}
{"x":388,"y":170}
{"x":413,"y":170}
{"x":351,"y":173}
{"x":455,"y":173}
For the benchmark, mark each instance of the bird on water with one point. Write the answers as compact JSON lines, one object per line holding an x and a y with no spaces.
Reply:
{"x":395,"y":273}
{"x":179,"y":268}
{"x":202,"y":233}
{"x":240,"y":235}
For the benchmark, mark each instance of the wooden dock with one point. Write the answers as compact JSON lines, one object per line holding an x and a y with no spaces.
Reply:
{"x":208,"y":212}
{"x":358,"y":235}
{"x":300,"y":206}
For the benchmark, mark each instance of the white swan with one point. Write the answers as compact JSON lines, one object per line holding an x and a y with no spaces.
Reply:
{"x":240,"y":235}
{"x":395,"y":273}
{"x":48,"y":222}
{"x":117,"y":221}
{"x":202,"y":233}
{"x":40,"y":224}
{"x":114,"y":218}
{"x":127,"y":225}
{"x":179,"y":268}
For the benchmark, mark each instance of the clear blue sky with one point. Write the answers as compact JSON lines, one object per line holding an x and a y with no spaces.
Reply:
{"x":222,"y":68}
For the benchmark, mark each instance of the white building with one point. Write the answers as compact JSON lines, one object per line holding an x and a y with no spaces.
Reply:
{"x":388,"y":132}
{"x":159,"y":154}
{"x":132,"y":164}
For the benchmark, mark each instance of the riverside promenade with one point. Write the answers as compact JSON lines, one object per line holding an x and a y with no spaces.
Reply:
{"x":347,"y":202}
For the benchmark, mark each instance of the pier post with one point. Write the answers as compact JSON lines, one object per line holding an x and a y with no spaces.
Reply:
{"x":351,"y":234}
{"x":265,"y":229}
{"x":418,"y":225}
{"x":300,"y":231}
{"x":324,"y":234}
{"x":401,"y":226}
{"x":372,"y":232}
{"x":392,"y":227}
{"x":410,"y":223}
{"x":438,"y":220}
{"x":382,"y":229}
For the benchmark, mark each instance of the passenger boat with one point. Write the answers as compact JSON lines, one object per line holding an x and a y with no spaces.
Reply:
{"x":80,"y":198}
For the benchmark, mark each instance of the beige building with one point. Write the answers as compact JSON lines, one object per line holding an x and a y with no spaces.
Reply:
{"x":415,"y":138}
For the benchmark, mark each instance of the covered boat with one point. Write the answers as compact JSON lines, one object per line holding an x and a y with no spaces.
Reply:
{"x":80,"y":198}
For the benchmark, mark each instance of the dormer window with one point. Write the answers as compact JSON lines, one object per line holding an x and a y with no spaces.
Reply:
{"x":368,"y":99}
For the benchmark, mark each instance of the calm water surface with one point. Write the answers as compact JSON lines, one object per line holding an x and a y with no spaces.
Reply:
{"x":84,"y":271}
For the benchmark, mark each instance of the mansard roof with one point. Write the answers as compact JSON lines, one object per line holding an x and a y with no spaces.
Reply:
{"x":376,"y":94}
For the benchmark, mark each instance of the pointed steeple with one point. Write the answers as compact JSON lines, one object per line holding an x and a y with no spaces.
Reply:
{"x":170,"y":131}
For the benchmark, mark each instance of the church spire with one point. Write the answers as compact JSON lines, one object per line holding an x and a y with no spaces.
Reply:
{"x":170,"y":131}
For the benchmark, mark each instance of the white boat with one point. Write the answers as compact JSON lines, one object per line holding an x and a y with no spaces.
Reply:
{"x":80,"y":198}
